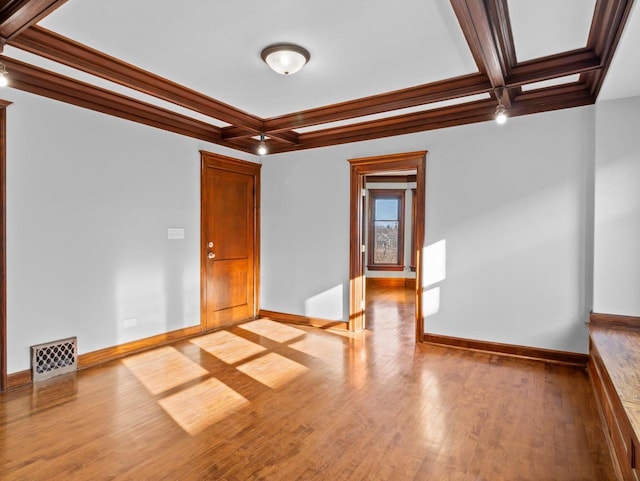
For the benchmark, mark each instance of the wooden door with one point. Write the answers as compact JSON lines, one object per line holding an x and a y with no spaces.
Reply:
{"x":229,"y":240}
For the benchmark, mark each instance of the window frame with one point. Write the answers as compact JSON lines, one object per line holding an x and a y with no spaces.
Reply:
{"x":375,"y":194}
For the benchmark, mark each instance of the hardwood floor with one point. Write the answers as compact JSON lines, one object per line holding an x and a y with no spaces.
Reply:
{"x":267,"y":401}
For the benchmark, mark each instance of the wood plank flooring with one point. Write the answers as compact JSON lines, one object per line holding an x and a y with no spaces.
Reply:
{"x":268,"y":401}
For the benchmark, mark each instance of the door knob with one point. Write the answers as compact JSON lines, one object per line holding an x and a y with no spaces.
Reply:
{"x":211,"y":255}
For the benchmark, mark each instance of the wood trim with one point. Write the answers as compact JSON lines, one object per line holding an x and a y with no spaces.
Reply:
{"x":218,"y":161}
{"x":410,"y":97}
{"x":17,"y":15}
{"x":615,"y":321}
{"x":609,"y":20}
{"x":478,"y":27}
{"x":58,"y":87}
{"x":303,"y":320}
{"x":390,"y":179}
{"x":4,"y":382}
{"x":391,"y":282}
{"x":17,"y":379}
{"x":559,"y":65}
{"x":107,"y":354}
{"x":45,"y":43}
{"x":547,"y":355}
{"x":360,"y":168}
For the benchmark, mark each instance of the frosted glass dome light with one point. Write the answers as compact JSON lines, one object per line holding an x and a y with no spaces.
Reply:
{"x":285,"y":58}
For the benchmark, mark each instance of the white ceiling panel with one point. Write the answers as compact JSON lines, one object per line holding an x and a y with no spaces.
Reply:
{"x":546,"y":27}
{"x":551,"y":82}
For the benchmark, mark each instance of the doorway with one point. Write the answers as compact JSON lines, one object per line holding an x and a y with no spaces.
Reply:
{"x":360,"y":168}
{"x":230,"y":232}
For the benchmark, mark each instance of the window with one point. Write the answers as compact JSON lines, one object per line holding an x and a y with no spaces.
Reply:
{"x":386,"y":230}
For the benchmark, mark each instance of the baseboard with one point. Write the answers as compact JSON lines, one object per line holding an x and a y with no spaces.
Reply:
{"x":615,"y":320}
{"x":107,"y":354}
{"x":304,"y":320}
{"x":18,"y":379}
{"x":391,"y":282}
{"x":111,"y":353}
{"x":540,"y":354}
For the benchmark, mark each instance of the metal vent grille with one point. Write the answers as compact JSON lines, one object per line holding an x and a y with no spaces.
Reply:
{"x":53,"y":358}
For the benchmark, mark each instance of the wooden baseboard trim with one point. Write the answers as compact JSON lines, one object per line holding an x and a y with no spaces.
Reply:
{"x":615,"y":320}
{"x":536,"y":353}
{"x":110,"y":353}
{"x":304,"y":320}
{"x":391,"y":282}
{"x":18,"y":379}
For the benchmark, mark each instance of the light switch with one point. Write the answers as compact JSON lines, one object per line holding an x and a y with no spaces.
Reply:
{"x":174,"y":233}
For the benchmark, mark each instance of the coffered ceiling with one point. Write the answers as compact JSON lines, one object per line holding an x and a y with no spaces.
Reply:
{"x":377,"y":68}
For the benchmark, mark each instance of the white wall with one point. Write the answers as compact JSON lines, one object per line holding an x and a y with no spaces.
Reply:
{"x":617,"y":209}
{"x":514,"y":205}
{"x":89,"y":201}
{"x":90,"y":198}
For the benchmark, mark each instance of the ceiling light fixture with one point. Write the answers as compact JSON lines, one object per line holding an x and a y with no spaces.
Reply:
{"x":262,"y":146}
{"x":4,"y":79}
{"x":285,"y":58}
{"x":501,"y":111}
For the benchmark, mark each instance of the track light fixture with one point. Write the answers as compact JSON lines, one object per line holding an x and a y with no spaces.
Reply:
{"x":501,"y":111}
{"x":262,"y":146}
{"x":4,"y":75}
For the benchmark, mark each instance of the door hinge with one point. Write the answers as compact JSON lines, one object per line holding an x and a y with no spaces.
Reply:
{"x":362,"y":304}
{"x":364,"y":192}
{"x":363,"y":248}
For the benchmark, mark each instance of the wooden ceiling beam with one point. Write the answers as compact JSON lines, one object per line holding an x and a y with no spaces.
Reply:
{"x":410,"y":97}
{"x":552,"y":98}
{"x":286,"y":136}
{"x":403,"y":124}
{"x":568,"y":63}
{"x":48,"y":84}
{"x":608,"y":22}
{"x":45,"y":43}
{"x":485,"y":37}
{"x":18,"y":15}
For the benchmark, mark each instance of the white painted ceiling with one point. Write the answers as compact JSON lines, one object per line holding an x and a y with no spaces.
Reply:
{"x":358,"y":47}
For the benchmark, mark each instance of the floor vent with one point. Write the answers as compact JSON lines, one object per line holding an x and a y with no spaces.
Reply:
{"x":53,"y":358}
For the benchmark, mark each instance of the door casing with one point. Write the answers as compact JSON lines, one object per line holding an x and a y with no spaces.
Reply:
{"x":360,"y":168}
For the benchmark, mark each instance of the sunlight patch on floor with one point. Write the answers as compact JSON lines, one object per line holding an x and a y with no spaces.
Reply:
{"x":320,"y":347}
{"x":273,"y":330}
{"x":272,"y":370}
{"x":163,"y":369}
{"x":200,"y":406}
{"x":228,"y":347}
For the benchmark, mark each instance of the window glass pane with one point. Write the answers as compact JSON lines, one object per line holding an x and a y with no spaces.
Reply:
{"x":386,"y":209}
{"x":386,"y":242}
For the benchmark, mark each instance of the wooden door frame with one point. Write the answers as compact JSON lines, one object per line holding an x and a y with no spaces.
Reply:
{"x":360,"y":168}
{"x":222,"y":162}
{"x":3,"y":244}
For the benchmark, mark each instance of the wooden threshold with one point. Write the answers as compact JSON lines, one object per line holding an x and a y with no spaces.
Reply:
{"x":391,"y":282}
{"x":304,"y":320}
{"x":513,"y":350}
